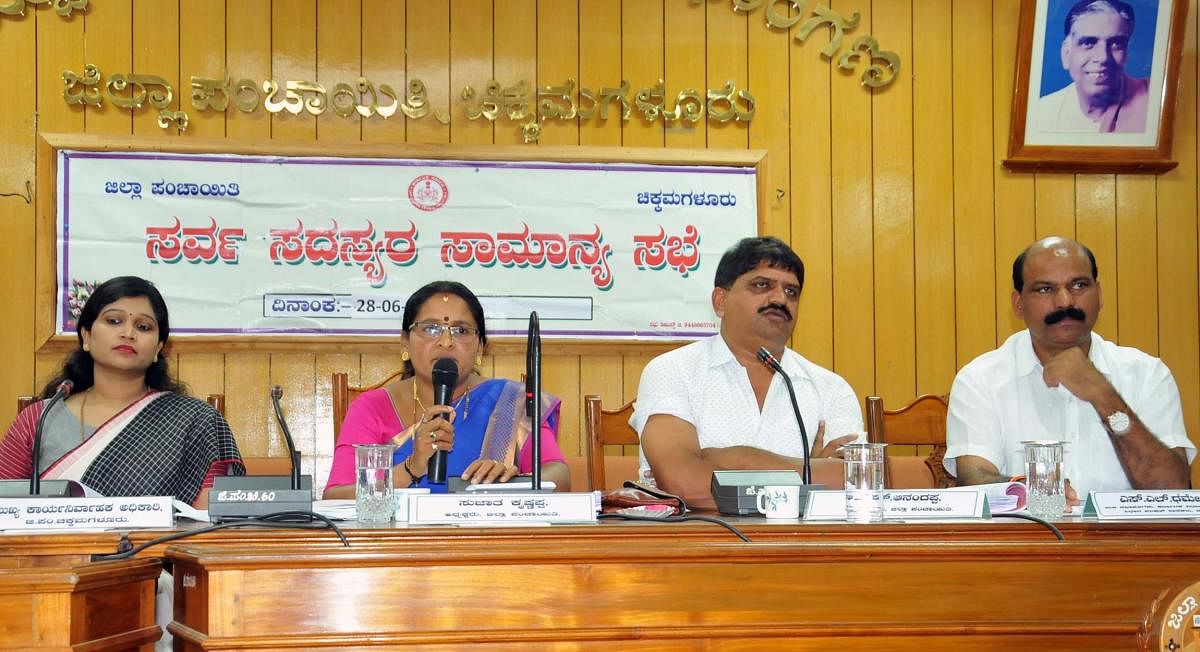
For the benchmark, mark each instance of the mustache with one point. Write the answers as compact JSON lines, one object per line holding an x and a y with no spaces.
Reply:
{"x":776,"y":306}
{"x":1065,"y":313}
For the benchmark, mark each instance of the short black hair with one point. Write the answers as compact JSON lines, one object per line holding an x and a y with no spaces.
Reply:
{"x":1018,"y":270}
{"x":1082,"y":7}
{"x":418,"y":299}
{"x":749,"y":253}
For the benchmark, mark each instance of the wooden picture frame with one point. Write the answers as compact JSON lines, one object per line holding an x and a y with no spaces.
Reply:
{"x":1060,"y":68}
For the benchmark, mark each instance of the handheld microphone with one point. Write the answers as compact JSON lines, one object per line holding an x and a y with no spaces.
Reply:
{"x":445,"y":377}
{"x":60,"y":393}
{"x":293,"y":454}
{"x":533,"y":394}
{"x":766,"y":358}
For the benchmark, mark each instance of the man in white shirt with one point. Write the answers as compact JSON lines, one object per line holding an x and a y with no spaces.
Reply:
{"x":1116,"y":408}
{"x":713,"y":405}
{"x":1101,"y":98}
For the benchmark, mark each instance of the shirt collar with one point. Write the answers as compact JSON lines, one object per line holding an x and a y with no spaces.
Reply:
{"x":720,"y":354}
{"x":1027,"y":361}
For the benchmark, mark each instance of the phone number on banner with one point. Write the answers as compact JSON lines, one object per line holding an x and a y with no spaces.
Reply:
{"x":370,"y":306}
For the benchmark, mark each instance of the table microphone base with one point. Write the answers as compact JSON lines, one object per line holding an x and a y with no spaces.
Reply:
{"x":736,"y":492}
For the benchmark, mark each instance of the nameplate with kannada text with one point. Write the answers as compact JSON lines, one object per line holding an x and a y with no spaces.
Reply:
{"x":904,"y":504}
{"x":1143,"y":504}
{"x":516,"y":508}
{"x":86,"y":513}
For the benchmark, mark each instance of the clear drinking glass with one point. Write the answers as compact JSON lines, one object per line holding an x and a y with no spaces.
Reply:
{"x":1044,"y":479}
{"x":375,"y":498}
{"x":864,"y":482}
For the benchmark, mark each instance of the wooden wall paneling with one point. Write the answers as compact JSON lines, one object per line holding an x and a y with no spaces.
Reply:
{"x":631,"y":374}
{"x":684,"y":46}
{"x":1136,"y":298}
{"x":59,"y":46}
{"x":428,"y":38}
{"x":1179,"y":294}
{"x":974,"y":253}
{"x":380,"y":364}
{"x":293,"y":58}
{"x":320,"y":456}
{"x":767,"y":79}
{"x":1096,"y":227}
{"x":295,"y":373}
{"x":893,"y":224}
{"x":600,"y":66}
{"x":18,"y":167}
{"x":726,"y":58}
{"x":642,"y":64}
{"x":384,"y":29}
{"x":203,"y":373}
{"x":202,"y":54}
{"x":1054,"y":195}
{"x":107,"y":41}
{"x":558,"y":61}
{"x":248,"y":55}
{"x":560,"y":377}
{"x":339,"y":60}
{"x":516,"y":59}
{"x":512,"y":366}
{"x":156,"y":51}
{"x":933,"y":197}
{"x":471,"y":43}
{"x":1014,"y":201}
{"x":852,"y":320}
{"x":810,"y":113}
{"x":247,"y":402}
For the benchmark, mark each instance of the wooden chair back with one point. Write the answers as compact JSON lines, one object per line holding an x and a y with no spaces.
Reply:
{"x":608,"y":428}
{"x":920,"y":423}
{"x":344,"y":393}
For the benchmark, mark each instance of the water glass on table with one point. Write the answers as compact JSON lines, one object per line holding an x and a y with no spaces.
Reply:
{"x":864,"y":482}
{"x":1044,"y":479}
{"x":374,"y":497}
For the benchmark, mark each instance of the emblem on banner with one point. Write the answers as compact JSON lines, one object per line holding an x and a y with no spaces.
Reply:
{"x":428,"y":193}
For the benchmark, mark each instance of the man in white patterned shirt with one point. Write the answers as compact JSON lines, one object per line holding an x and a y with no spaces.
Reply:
{"x":712,"y":405}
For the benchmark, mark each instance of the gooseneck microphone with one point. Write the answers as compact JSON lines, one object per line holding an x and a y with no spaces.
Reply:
{"x":766,"y":358}
{"x":293,"y":454}
{"x":445,"y":377}
{"x":533,"y":395}
{"x":60,"y":393}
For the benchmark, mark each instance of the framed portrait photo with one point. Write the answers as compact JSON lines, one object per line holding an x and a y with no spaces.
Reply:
{"x":1095,"y":85}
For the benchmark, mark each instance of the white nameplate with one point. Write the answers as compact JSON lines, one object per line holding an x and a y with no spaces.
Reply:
{"x":442,"y":509}
{"x":1143,"y":504}
{"x":903,"y":504}
{"x":86,"y":513}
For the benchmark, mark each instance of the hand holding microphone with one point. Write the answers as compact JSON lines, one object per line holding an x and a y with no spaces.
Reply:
{"x":445,"y":377}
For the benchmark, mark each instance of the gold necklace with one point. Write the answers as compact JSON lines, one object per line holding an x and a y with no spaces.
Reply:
{"x":417,"y":399}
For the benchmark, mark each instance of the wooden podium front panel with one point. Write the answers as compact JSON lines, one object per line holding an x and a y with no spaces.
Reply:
{"x":93,"y":606}
{"x":505,"y":595}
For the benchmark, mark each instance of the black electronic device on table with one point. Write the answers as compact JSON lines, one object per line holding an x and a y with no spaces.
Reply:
{"x":736,"y":492}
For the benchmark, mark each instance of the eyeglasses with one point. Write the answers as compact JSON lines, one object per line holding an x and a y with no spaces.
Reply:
{"x":435,"y":330}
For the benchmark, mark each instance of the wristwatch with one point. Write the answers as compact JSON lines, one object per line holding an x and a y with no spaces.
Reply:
{"x":1118,"y":423}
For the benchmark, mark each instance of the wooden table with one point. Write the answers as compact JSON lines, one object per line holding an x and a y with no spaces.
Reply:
{"x":998,"y":585}
{"x":87,"y":606}
{"x":980,"y":586}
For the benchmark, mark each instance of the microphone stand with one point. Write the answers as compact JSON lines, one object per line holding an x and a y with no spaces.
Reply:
{"x":60,"y":393}
{"x":293,"y":454}
{"x":766,"y":358}
{"x":533,"y":394}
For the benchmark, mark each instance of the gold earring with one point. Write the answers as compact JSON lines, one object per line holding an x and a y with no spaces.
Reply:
{"x":86,"y":348}
{"x":404,"y":355}
{"x":479,"y":360}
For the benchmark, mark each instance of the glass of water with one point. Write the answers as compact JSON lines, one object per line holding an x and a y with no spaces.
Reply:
{"x":864,"y":482}
{"x":1044,"y":479}
{"x":374,"y":496}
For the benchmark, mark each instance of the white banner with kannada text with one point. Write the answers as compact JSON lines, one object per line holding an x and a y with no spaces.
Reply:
{"x":250,"y":245}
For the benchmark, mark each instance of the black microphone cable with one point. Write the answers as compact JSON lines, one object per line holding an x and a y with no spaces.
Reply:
{"x":678,"y":519}
{"x":276,"y":520}
{"x":1030,"y":517}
